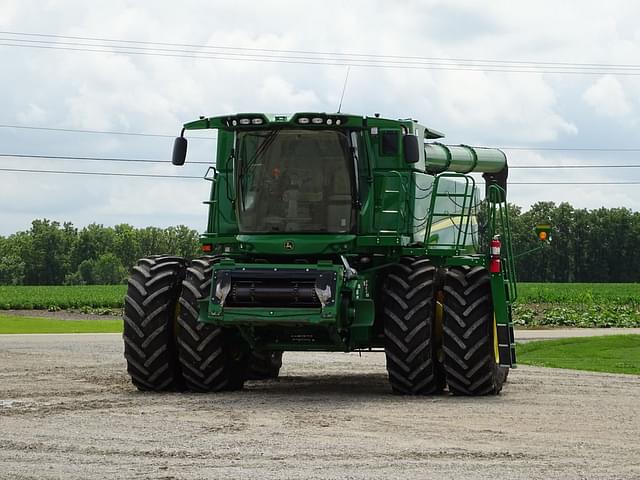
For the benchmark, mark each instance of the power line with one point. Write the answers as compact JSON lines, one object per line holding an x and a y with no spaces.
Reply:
{"x":574,"y":166}
{"x":574,"y":149}
{"x":143,"y":134}
{"x":75,"y":130}
{"x":118,"y":174}
{"x":573,"y":183}
{"x":309,"y":52}
{"x":98,"y":159}
{"x":101,"y":174}
{"x":534,"y":66}
{"x":322,"y":61}
{"x":166,"y":162}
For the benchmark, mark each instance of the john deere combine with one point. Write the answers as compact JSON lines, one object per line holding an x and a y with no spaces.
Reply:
{"x":333,"y":232}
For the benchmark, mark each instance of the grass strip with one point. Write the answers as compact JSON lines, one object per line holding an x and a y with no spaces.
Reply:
{"x":13,"y":324}
{"x":612,"y":354}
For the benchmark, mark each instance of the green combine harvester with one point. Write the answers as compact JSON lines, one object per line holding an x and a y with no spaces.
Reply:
{"x":333,"y":232}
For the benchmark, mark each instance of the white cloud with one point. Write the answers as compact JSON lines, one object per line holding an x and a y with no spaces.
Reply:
{"x":32,"y":114}
{"x":157,"y":94}
{"x":607,"y":97}
{"x":524,"y":107}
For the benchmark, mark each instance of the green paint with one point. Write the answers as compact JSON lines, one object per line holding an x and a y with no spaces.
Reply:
{"x":301,"y":192}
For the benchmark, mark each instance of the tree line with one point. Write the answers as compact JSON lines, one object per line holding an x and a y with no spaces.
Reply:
{"x":587,"y":246}
{"x":51,"y":253}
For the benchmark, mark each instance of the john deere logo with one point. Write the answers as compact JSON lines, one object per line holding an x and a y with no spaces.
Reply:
{"x":288,"y":245}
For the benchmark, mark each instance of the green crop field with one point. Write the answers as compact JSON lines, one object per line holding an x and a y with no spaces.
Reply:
{"x":580,"y":293}
{"x":539,"y":304}
{"x":613,"y":354}
{"x":54,"y":297}
{"x":13,"y":324}
{"x":578,"y":304}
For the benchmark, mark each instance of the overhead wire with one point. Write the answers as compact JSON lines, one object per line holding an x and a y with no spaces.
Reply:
{"x":102,"y":174}
{"x":149,"y":160}
{"x":368,"y":61}
{"x":144,"y":134}
{"x":310,"y":52}
{"x":105,"y":132}
{"x":30,"y":170}
{"x":98,"y":159}
{"x":574,"y":149}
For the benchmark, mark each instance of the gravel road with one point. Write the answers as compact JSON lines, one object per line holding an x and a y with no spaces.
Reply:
{"x":67,"y":410}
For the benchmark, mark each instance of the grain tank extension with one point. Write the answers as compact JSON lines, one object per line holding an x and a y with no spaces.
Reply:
{"x":333,"y":232}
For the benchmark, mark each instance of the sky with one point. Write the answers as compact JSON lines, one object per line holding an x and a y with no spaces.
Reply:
{"x":69,"y":87}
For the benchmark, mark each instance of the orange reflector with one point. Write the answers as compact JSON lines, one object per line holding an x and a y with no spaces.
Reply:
{"x":207,"y":247}
{"x":542,"y":236}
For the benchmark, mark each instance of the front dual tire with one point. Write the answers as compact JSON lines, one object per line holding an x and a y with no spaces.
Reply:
{"x":167,"y":348}
{"x":419,"y":360}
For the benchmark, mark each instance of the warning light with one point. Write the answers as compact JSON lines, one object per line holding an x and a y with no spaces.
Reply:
{"x":543,"y":232}
{"x":207,"y":248}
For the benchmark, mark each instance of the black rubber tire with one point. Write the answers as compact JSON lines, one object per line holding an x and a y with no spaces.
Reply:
{"x":264,"y":364}
{"x":408,"y":315}
{"x":149,"y":323}
{"x":468,"y":344}
{"x":212,"y":359}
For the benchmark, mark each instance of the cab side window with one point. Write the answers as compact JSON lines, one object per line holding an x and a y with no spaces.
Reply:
{"x":389,"y":142}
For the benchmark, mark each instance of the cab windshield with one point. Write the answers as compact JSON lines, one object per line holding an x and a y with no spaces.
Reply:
{"x":294,"y":181}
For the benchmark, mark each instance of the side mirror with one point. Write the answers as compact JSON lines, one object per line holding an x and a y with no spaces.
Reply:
{"x":411,"y":148}
{"x":543,"y":231}
{"x":179,"y":151}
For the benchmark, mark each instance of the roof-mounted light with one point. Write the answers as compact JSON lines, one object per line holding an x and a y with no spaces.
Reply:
{"x":317,"y":120}
{"x":257,"y":121}
{"x":303,"y":120}
{"x":245,"y":121}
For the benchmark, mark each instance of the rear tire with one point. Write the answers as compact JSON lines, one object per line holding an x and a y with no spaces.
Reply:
{"x":212,"y":359}
{"x":469,"y":355}
{"x":408,"y":316}
{"x":149,"y":323}
{"x":264,"y":364}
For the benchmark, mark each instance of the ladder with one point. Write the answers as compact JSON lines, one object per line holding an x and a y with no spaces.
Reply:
{"x":450,"y":210}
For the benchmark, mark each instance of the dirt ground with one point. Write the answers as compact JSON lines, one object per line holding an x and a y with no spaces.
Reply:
{"x":67,"y":410}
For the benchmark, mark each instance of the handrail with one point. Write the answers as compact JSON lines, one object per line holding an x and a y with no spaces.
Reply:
{"x":464,"y":213}
{"x":498,"y":212}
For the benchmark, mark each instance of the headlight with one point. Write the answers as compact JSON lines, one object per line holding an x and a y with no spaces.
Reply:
{"x":223,"y":287}
{"x":323,"y":294}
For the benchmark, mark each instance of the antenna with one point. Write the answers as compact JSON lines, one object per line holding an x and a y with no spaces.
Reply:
{"x":344,"y":88}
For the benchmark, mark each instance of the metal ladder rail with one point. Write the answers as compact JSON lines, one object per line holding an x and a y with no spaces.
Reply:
{"x":499,"y":223}
{"x":464,"y":214}
{"x":499,"y":210}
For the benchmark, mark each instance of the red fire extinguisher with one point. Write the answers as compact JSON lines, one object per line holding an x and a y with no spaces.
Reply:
{"x":494,"y":260}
